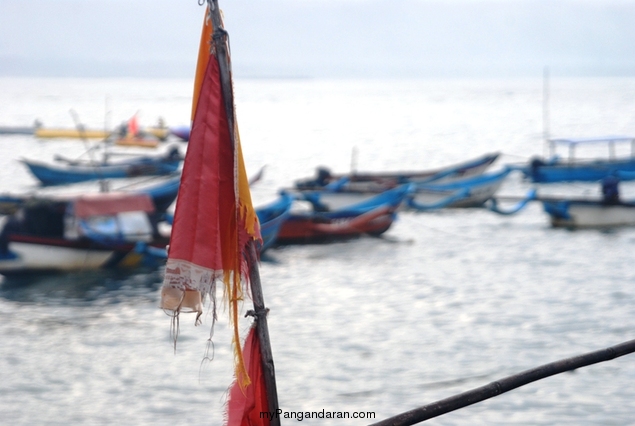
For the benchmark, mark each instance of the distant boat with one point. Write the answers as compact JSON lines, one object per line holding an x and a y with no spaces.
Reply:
{"x":373,"y":216}
{"x":80,"y":171}
{"x":571,"y":169}
{"x":468,"y":192}
{"x":588,"y":213}
{"x":320,"y":228}
{"x":380,"y":181}
{"x":17,"y":130}
{"x":333,"y":201}
{"x":161,"y":189}
{"x":471,"y":191}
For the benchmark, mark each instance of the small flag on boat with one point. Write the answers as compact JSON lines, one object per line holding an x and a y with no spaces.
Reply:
{"x":214,"y":220}
{"x":133,"y":127}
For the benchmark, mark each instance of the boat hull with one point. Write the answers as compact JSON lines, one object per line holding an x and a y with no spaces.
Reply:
{"x":381,"y":181}
{"x":52,"y":175}
{"x":469,"y":192}
{"x":138,"y":142}
{"x":316,"y":228}
{"x":589,"y":214}
{"x":44,"y":254}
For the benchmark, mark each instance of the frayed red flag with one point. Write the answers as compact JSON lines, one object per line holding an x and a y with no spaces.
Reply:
{"x":248,"y":406}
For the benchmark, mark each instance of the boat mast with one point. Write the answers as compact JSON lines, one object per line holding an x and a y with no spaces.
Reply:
{"x":545,"y":112}
{"x":260,"y":311}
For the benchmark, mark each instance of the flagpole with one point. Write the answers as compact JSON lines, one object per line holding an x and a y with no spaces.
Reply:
{"x":262,"y":328}
{"x":260,"y":311}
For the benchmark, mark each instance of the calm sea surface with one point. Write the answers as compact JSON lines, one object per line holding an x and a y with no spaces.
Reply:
{"x":445,"y":302}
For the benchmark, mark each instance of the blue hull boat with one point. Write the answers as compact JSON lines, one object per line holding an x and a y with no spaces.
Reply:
{"x":71,"y":172}
{"x":372,"y":216}
{"x":162,"y":190}
{"x":588,"y":213}
{"x":347,"y":202}
{"x":572,"y":169}
{"x":468,"y":192}
{"x":380,"y":181}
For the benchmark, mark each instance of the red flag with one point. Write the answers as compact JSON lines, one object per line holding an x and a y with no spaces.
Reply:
{"x":214,"y":219}
{"x":248,"y":406}
{"x":133,"y":127}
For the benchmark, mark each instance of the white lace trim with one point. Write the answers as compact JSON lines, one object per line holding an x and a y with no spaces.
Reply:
{"x":185,"y":286}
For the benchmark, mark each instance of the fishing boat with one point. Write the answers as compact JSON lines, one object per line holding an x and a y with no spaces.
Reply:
{"x":588,"y":213}
{"x":160,"y":131}
{"x":162,"y":190}
{"x":319,"y":224}
{"x":467,"y":192}
{"x":334,"y":199}
{"x":80,"y":171}
{"x":320,"y":228}
{"x":138,"y":141}
{"x":572,"y":168}
{"x":17,"y":130}
{"x":378,"y":181}
{"x":87,"y":232}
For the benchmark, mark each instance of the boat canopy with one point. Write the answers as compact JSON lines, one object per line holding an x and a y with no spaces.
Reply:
{"x":573,"y":142}
{"x":602,"y":139}
{"x":112,"y":203}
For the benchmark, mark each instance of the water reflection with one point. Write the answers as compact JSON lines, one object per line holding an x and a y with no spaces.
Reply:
{"x":84,"y":287}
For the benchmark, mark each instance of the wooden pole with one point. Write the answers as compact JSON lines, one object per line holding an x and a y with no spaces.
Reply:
{"x":220,"y":40}
{"x":262,"y":328}
{"x":498,"y":387}
{"x":545,"y":112}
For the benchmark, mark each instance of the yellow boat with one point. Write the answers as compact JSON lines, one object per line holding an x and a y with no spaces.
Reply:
{"x":157,"y":132}
{"x":140,"y":142}
{"x":71,"y":134}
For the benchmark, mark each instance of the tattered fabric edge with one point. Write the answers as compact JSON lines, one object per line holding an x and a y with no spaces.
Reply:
{"x":185,"y":287}
{"x":253,"y":354}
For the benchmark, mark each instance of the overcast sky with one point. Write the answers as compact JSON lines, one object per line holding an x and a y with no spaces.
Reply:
{"x":321,"y":38}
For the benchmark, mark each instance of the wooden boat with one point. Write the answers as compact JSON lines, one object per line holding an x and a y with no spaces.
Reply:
{"x":138,"y":141}
{"x":336,"y":200}
{"x":162,"y":190}
{"x":588,"y":213}
{"x":79,"y":233}
{"x":379,"y":181}
{"x":570,"y":169}
{"x":44,"y":133}
{"x":271,"y":218}
{"x":156,"y":133}
{"x":372,"y":216}
{"x":468,"y":192}
{"x":320,"y":227}
{"x":75,"y":171}
{"x":17,"y":130}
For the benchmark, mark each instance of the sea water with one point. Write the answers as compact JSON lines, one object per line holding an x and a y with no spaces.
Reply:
{"x":445,"y":302}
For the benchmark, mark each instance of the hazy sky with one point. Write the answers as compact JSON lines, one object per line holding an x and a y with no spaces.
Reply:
{"x":321,"y":38}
